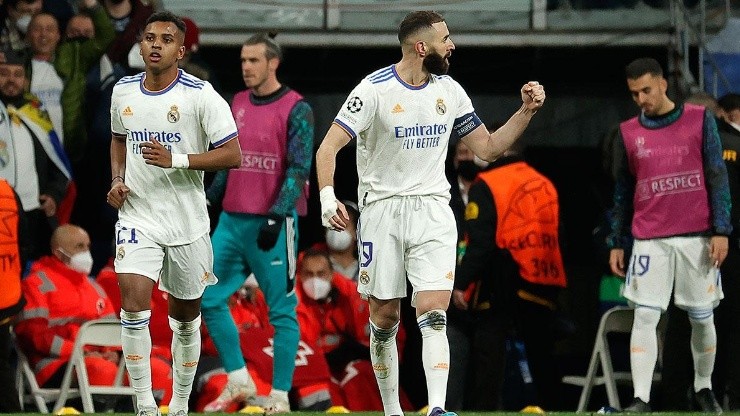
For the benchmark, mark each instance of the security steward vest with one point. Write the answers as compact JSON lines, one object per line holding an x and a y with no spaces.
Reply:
{"x":11,"y":301}
{"x":528,"y":219}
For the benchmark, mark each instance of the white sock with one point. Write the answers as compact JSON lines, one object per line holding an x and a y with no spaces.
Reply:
{"x":137,"y":350}
{"x":238,"y":377}
{"x":644,"y":350}
{"x":435,"y":354}
{"x":185,"y":354}
{"x":703,"y":347}
{"x":384,"y":357}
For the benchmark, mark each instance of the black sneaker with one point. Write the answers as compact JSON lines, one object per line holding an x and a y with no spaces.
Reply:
{"x":706,"y":402}
{"x":637,"y":406}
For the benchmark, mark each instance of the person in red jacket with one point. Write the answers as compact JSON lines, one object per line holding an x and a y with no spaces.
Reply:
{"x":60,"y":298}
{"x":310,"y":389}
{"x":159,"y":325}
{"x":337,"y":320}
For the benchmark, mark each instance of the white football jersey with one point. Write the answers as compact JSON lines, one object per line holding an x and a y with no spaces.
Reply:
{"x":168,"y":205}
{"x":403,"y":133}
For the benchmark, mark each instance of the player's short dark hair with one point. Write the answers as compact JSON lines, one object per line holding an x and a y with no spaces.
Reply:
{"x":317,"y":252}
{"x":642,"y":66}
{"x":416,"y":21}
{"x":272,"y":48}
{"x":166,"y":16}
{"x":729,"y":102}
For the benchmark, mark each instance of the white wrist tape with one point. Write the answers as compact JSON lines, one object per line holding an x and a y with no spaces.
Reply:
{"x":328,"y":204}
{"x":180,"y":161}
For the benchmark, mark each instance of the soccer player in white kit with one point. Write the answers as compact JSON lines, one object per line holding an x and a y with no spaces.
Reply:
{"x":402,"y":117}
{"x":163,"y":121}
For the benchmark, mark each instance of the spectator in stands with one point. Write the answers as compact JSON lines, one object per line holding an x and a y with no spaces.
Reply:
{"x":311,"y":380}
{"x":61,"y":297}
{"x":15,"y":26}
{"x":513,"y":252}
{"x":31,"y":157}
{"x":129,"y":18}
{"x":13,"y":247}
{"x":337,"y":321}
{"x":59,"y":71}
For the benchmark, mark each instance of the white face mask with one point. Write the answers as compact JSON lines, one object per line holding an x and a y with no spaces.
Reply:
{"x":82,"y":261}
{"x":22,"y":22}
{"x":338,"y":240}
{"x":316,"y":288}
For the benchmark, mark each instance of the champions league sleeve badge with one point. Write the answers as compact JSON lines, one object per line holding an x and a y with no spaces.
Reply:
{"x":354,"y":104}
{"x":173,"y":115}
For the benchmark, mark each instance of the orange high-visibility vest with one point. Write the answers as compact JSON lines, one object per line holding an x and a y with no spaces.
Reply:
{"x":10,"y":259}
{"x":528,"y":218}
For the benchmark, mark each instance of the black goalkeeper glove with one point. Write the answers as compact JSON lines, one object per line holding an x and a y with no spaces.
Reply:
{"x":269,"y":232}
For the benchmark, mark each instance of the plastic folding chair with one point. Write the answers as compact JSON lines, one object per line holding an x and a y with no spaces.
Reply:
{"x":99,"y":332}
{"x":615,"y":320}
{"x":28,"y":388}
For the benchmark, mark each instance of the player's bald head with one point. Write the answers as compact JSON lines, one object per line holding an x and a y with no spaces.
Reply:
{"x":415,"y":23}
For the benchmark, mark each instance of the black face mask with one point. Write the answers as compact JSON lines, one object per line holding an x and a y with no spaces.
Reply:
{"x":467,"y":169}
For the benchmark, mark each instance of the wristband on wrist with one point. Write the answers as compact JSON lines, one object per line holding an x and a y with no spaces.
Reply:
{"x":326,"y":194}
{"x":117,"y":177}
{"x":180,"y":161}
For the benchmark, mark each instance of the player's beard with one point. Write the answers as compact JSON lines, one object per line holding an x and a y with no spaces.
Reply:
{"x":436,"y":64}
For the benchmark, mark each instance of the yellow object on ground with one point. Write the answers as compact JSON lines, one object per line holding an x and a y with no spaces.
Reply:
{"x":337,"y":409}
{"x":253,"y":409}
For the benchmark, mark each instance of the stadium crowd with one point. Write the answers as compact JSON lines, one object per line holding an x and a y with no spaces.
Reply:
{"x":59,"y":63}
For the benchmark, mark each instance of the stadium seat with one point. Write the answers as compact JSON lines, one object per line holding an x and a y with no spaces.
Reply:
{"x":615,"y":320}
{"x":99,"y":332}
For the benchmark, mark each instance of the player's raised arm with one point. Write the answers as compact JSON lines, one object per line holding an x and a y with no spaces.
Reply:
{"x":326,"y":157}
{"x":489,"y":146}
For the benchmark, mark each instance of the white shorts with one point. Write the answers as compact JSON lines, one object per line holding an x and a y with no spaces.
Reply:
{"x":402,"y":237}
{"x":678,"y":264}
{"x":183,"y":271}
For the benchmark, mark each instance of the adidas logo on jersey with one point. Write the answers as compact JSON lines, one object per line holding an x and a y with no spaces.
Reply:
{"x":127,"y":111}
{"x":397,"y":109}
